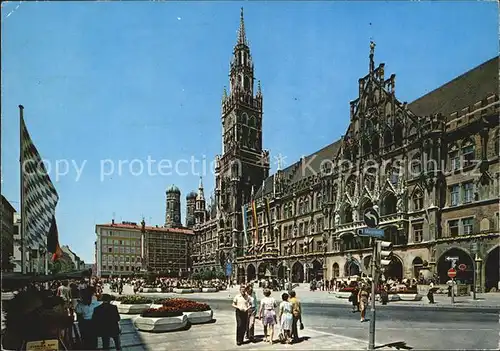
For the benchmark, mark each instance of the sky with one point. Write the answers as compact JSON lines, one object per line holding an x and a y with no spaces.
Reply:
{"x":110,"y":83}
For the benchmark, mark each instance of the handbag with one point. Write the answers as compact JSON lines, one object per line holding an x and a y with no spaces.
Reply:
{"x":301,"y":326}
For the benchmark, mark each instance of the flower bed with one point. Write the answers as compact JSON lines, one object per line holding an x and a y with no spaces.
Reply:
{"x":195,"y":312}
{"x":133,"y":304}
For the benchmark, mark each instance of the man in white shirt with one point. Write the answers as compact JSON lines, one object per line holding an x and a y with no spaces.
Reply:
{"x":241,"y":304}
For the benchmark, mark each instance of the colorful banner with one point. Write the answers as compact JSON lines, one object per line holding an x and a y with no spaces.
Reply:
{"x":255,"y":223}
{"x":268,"y":217}
{"x":245,"y":221}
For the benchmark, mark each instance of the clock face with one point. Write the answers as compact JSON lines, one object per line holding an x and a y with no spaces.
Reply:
{"x":176,"y":218}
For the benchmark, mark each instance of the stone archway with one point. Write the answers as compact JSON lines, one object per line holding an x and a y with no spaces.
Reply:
{"x":417,"y":265}
{"x":316,"y":270}
{"x":492,"y":269}
{"x":241,"y":274}
{"x":261,"y":270}
{"x":335,"y":270}
{"x":251,"y":273}
{"x":351,"y":268}
{"x":394,"y":270}
{"x":282,"y":272}
{"x":297,"y":272}
{"x":466,"y":276}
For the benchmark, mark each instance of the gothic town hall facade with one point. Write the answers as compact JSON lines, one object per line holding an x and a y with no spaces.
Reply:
{"x":430,"y":167}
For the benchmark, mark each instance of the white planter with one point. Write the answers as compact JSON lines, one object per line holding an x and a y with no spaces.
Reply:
{"x":183,"y":291}
{"x":116,"y":303}
{"x":209,"y":290}
{"x":151,"y":290}
{"x":410,"y":297}
{"x":394,"y":297}
{"x":155,"y":305}
{"x":133,"y":309}
{"x":199,"y":317}
{"x":197,"y":290}
{"x":162,"y":324}
{"x":343,"y":294}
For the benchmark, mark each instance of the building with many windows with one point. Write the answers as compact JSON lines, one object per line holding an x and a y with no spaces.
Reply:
{"x":429,"y":167}
{"x":126,"y":248}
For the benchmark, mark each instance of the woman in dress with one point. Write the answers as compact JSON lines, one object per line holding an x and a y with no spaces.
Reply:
{"x":267,"y":314}
{"x":363,"y":301}
{"x":286,"y":318}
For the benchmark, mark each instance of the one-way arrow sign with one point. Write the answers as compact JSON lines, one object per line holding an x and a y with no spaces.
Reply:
{"x":371,"y":217}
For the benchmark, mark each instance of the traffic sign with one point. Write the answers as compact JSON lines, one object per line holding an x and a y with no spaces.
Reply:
{"x":451,"y":258}
{"x":371,"y":217}
{"x":462,"y":267}
{"x":452,"y":273}
{"x":371,"y":232}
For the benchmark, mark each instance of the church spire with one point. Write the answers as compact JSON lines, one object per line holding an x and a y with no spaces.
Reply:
{"x":201,"y":195}
{"x":242,"y":38}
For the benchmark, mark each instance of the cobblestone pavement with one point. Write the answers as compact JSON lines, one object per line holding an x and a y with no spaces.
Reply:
{"x":221,"y":336}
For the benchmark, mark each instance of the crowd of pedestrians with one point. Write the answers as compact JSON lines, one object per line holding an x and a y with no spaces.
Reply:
{"x":284,"y":318}
{"x":43,"y":311}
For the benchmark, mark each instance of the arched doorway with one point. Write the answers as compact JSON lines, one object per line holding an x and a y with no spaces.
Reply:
{"x":251,"y":273}
{"x":316,"y":271}
{"x":282,"y":272}
{"x":263,"y":267}
{"x":335,"y":270}
{"x":394,"y":270}
{"x":297,"y":273}
{"x":352,"y":268}
{"x":492,"y":264}
{"x":464,"y":277}
{"x":417,"y":264}
{"x":241,"y":275}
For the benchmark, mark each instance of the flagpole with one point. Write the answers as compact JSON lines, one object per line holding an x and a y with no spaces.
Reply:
{"x":21,"y":165}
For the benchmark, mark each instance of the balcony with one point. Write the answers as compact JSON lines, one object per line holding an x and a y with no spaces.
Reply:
{"x":392,"y":218}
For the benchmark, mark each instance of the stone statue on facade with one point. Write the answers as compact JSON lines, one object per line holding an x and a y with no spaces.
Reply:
{"x":400,"y":204}
{"x":337,"y":219}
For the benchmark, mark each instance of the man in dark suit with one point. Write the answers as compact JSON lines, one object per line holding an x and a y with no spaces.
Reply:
{"x":106,"y":320}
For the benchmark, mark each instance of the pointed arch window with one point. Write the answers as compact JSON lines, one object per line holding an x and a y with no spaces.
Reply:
{"x":387,"y":138}
{"x":398,"y":134}
{"x":306,"y":205}
{"x":418,"y":200}
{"x":301,"y":206}
{"x":319,"y":198}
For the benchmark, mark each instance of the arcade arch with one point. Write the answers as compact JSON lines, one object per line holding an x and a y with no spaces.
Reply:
{"x":492,"y":269}
{"x":297,"y":272}
{"x":251,"y":273}
{"x":464,"y":277}
{"x":351,"y":268}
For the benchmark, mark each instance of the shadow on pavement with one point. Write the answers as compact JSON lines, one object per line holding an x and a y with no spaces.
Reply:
{"x":398,"y":345}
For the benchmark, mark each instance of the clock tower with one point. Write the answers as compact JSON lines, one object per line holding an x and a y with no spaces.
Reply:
{"x":244,"y":164}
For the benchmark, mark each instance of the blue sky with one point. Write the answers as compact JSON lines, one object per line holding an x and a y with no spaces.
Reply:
{"x":128,"y":80}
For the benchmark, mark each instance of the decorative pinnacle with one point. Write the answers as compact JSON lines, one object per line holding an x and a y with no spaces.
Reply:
{"x":224,"y":94}
{"x":242,"y":38}
{"x":372,"y":52}
{"x":259,"y":88}
{"x":372,"y":47}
